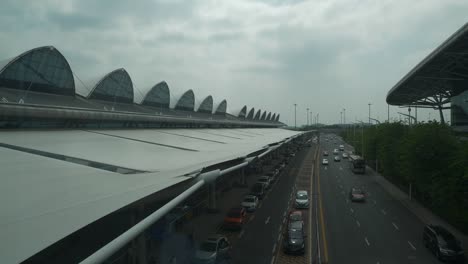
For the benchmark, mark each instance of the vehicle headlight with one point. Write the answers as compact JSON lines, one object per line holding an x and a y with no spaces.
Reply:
{"x":446,"y":251}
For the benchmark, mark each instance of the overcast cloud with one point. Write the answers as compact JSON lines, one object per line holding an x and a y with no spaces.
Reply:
{"x":325,"y":55}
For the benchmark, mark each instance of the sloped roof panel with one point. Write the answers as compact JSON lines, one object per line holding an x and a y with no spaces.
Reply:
{"x":115,"y":86}
{"x":158,"y":96}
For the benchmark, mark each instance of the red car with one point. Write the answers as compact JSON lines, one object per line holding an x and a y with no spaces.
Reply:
{"x":235,"y":218}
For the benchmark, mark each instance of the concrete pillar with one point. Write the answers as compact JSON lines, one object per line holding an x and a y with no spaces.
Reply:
{"x":243,"y":177}
{"x":212,"y":208}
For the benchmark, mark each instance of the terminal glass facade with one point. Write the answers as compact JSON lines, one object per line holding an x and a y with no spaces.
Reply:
{"x":186,"y":101}
{"x":114,"y":87}
{"x":42,"y":70}
{"x":158,"y":96}
{"x":207,"y":105}
{"x":222,"y":107}
{"x":251,"y":113}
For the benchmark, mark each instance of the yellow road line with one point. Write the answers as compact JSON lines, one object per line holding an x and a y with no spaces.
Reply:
{"x":324,"y":238}
{"x":310,"y":210}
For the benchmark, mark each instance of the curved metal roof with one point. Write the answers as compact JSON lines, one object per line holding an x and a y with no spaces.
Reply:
{"x":221,"y":108}
{"x":251,"y":113}
{"x":441,"y":75}
{"x":263,"y":116}
{"x":205,"y":106}
{"x":268,"y":117}
{"x":115,"y":86}
{"x":158,"y":96}
{"x":241,"y":113}
{"x":42,"y":69}
{"x":186,"y":101}
{"x":277,"y":117}
{"x":273,"y":117}
{"x":257,"y":115}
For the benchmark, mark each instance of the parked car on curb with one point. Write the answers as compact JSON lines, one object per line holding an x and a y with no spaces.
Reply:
{"x":235,"y":218}
{"x":265,"y":180}
{"x":250,"y":202}
{"x":213,"y":250}
{"x":258,"y":189}
{"x":294,"y":241}
{"x":302,"y":199}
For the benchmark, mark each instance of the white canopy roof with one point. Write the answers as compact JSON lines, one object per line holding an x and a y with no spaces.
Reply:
{"x":42,"y":199}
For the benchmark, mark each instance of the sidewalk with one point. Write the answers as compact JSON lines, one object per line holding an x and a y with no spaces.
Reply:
{"x":424,"y":214}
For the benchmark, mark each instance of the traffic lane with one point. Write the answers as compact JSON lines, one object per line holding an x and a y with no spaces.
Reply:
{"x":386,"y":219}
{"x":345,"y":241}
{"x":257,"y":245}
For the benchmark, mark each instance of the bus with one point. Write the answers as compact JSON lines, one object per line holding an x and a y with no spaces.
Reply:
{"x":358,"y":164}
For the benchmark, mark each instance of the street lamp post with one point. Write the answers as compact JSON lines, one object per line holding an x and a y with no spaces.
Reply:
{"x":369,"y":113}
{"x":341,"y":117}
{"x":295,"y":121}
{"x":307,"y":116}
{"x":344,"y":116}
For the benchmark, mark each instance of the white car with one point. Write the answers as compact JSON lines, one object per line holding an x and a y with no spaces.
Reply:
{"x":325,"y":161}
{"x":335,"y":152}
{"x":345,"y":155}
{"x":214,"y":249}
{"x":250,"y":203}
{"x":302,"y":199}
{"x":265,"y":180}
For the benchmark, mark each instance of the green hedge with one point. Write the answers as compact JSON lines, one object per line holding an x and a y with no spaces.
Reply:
{"x":430,"y":156}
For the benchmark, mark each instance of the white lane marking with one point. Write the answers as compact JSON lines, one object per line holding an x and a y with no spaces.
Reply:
{"x":241,"y":234}
{"x":342,"y":192}
{"x":394,"y":225}
{"x":367,"y":241}
{"x":274,"y":249}
{"x":284,"y":220}
{"x":279,"y":236}
{"x":411,"y":245}
{"x":272,"y":260}
{"x":358,"y":224}
{"x":351,"y":209}
{"x":383,"y":212}
{"x":267,"y":220}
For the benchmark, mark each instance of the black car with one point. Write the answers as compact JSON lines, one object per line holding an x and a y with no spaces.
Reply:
{"x":442,"y":243}
{"x":294,"y":241}
{"x":258,"y":189}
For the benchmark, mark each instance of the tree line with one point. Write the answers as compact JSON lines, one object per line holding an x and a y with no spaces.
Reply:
{"x":429,"y":156}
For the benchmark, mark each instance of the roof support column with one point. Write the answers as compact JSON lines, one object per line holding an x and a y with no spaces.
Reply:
{"x":212,"y":208}
{"x":243,"y":177}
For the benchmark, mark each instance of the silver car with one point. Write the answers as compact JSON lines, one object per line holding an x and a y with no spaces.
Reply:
{"x":302,"y":199}
{"x":212,"y":250}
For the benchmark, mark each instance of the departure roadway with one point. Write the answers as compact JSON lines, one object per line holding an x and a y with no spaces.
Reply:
{"x":380,"y":230}
{"x":260,"y":241}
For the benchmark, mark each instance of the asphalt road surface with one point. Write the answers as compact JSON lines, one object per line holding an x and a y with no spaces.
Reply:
{"x":381,"y":230}
{"x":260,"y":241}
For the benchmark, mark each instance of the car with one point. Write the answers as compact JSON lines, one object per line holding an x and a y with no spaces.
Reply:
{"x":325,"y":161}
{"x":357,"y":195}
{"x":442,"y":243}
{"x":302,"y":199}
{"x":295,"y":220}
{"x":345,"y":155}
{"x":337,"y":158}
{"x":258,"y":189}
{"x":250,"y":203}
{"x":325,"y":153}
{"x":213,"y":250}
{"x":341,"y":147}
{"x":234,"y":218}
{"x":265,"y":180}
{"x":294,"y":241}
{"x":292,"y":154}
{"x":335,"y":152}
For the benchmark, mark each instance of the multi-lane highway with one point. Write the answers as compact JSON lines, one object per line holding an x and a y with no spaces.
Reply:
{"x":381,"y":230}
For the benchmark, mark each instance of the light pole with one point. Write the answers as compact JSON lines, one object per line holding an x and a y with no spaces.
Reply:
{"x":295,"y":121}
{"x":311,"y":119}
{"x":409,"y":114}
{"x":369,"y":112}
{"x":344,"y":116}
{"x":341,"y":118}
{"x":307,"y":116}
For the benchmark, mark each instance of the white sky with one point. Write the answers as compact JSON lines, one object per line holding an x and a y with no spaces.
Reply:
{"x":267,"y":54}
